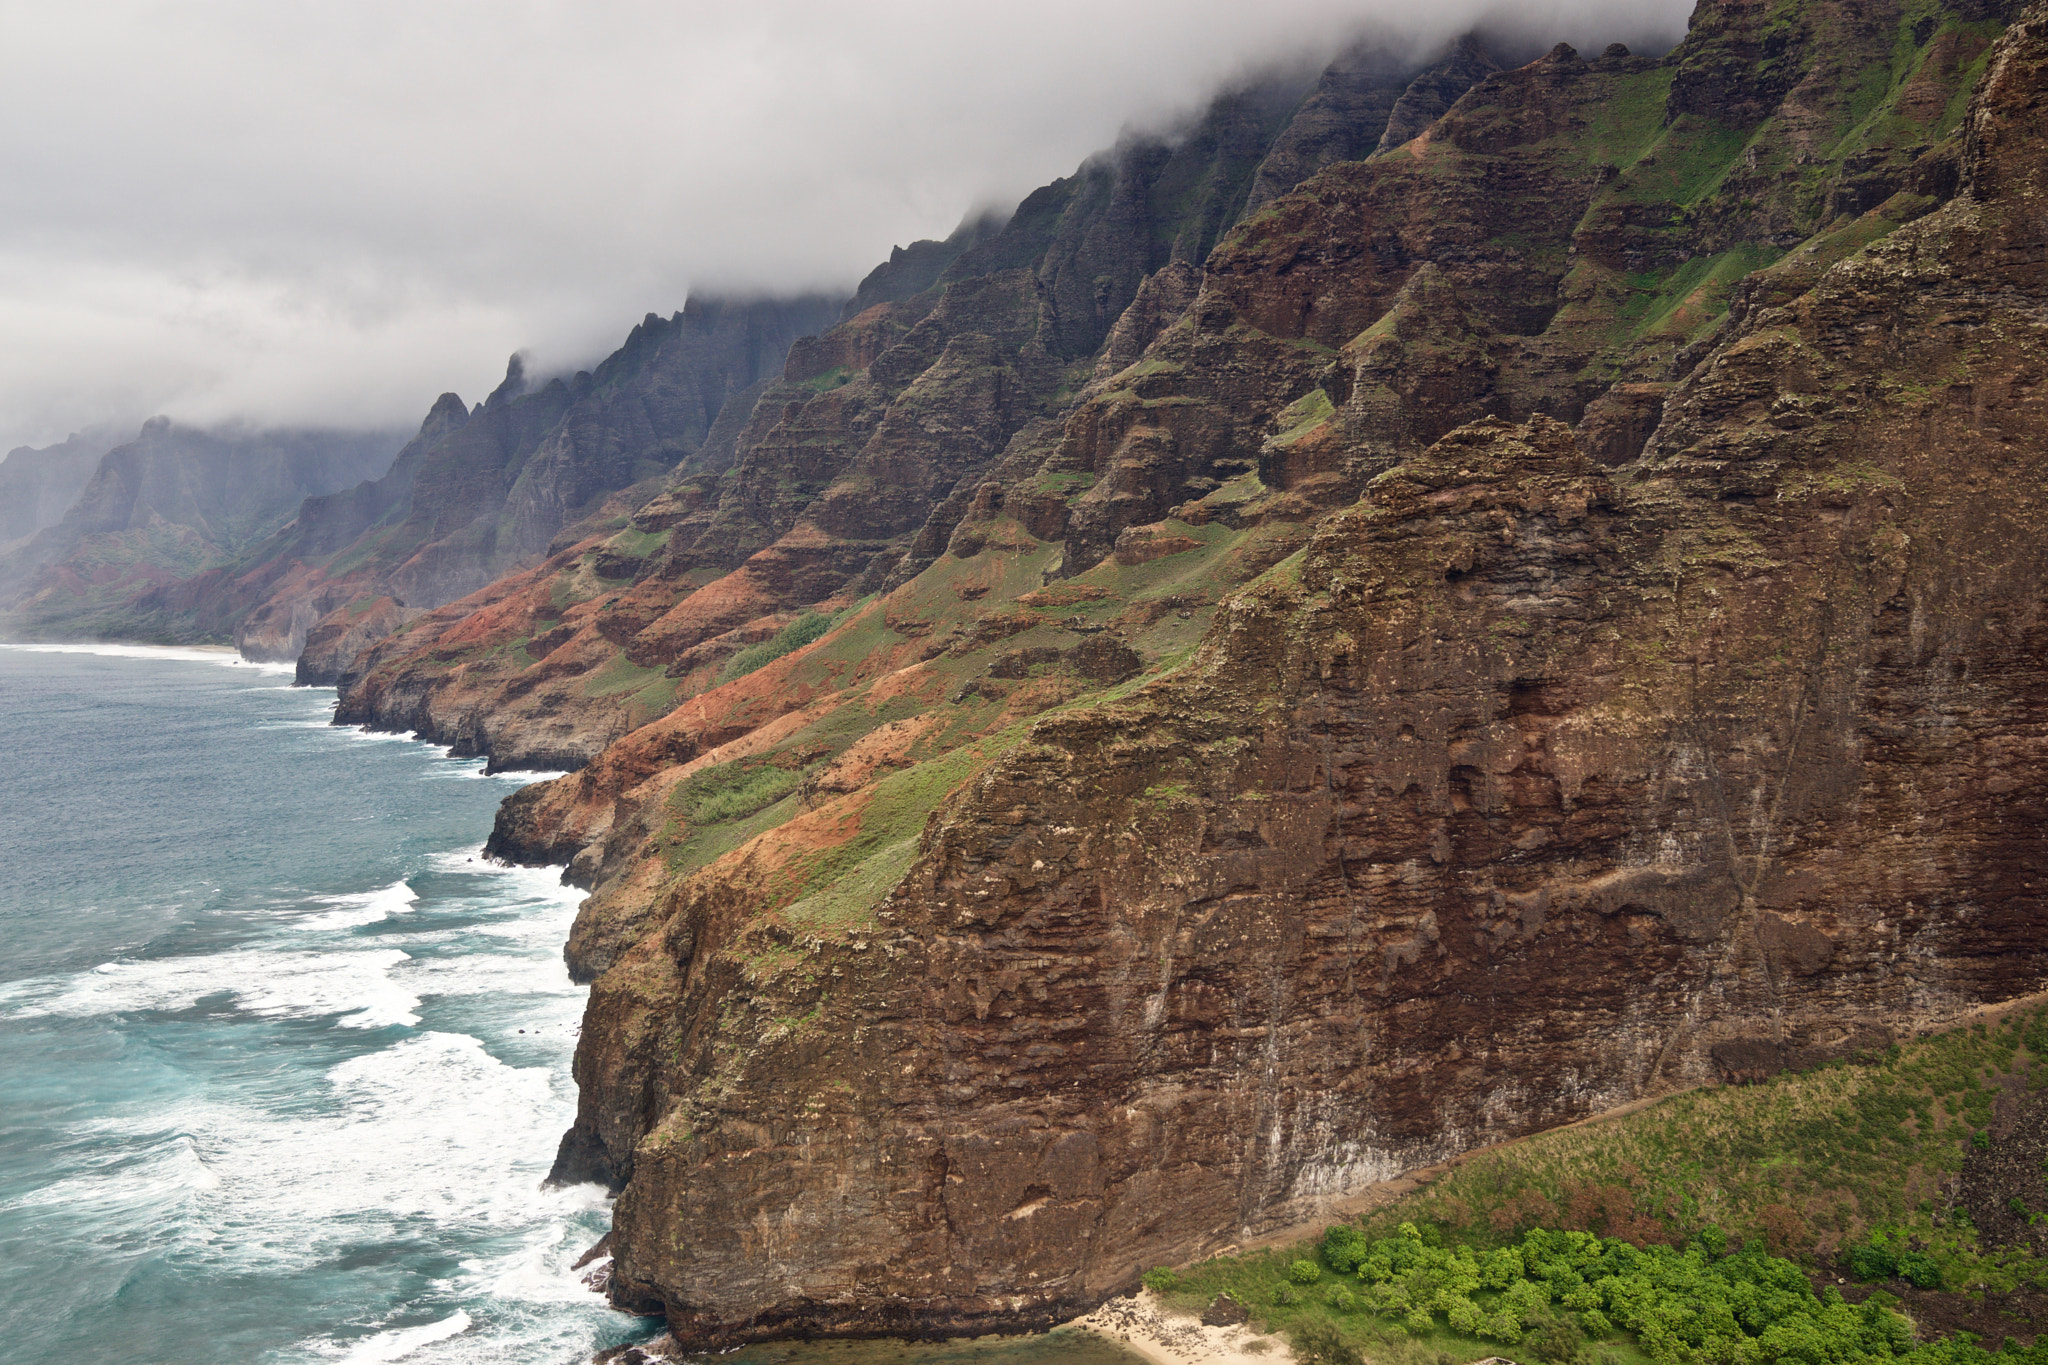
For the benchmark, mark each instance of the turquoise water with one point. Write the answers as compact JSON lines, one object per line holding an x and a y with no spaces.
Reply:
{"x":283,"y":1060}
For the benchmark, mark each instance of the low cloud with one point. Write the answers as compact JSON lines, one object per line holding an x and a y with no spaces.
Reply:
{"x":330,"y":214}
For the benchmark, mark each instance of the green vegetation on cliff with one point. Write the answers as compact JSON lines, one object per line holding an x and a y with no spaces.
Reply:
{"x":1695,"y":1230}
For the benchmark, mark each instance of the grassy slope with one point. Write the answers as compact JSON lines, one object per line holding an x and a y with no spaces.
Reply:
{"x":1810,"y":1167}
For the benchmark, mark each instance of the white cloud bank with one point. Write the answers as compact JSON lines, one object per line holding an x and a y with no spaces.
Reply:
{"x":296,"y":212}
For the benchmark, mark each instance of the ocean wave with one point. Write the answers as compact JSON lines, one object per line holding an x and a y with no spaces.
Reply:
{"x":356,"y":986}
{"x":402,"y":1342}
{"x":203,"y":654}
{"x":373,"y":736}
{"x":430,"y":1130}
{"x":365,"y":907}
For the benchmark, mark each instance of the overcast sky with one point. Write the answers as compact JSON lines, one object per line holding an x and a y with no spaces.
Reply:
{"x":330,"y":213}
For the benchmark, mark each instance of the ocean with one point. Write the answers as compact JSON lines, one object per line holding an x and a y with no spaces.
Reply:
{"x":283,"y":1058}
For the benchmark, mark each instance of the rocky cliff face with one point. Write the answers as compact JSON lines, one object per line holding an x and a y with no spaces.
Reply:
{"x":853,"y":474}
{"x":37,"y":487}
{"x":1430,"y":605}
{"x":162,"y":508}
{"x":476,"y":494}
{"x":1544,"y":616}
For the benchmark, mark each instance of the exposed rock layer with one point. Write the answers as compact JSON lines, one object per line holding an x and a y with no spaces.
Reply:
{"x":855,"y":471}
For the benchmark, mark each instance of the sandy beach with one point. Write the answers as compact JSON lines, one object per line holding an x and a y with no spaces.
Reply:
{"x":1141,"y":1324}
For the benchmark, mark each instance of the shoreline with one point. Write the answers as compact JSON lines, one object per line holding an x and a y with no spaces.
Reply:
{"x":1138,"y":1323}
{"x":1135,"y":1322}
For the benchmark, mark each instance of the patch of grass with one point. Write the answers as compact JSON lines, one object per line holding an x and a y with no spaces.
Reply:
{"x":1066,"y":483}
{"x":848,"y":899}
{"x":632,"y":544}
{"x":1628,"y":118}
{"x":729,"y":791}
{"x":806,"y":628}
{"x":1811,"y":1163}
{"x":686,"y":848}
{"x":1163,"y":794}
{"x":1674,"y":1235}
{"x":617,"y":675}
{"x":1170,"y":574}
{"x":1681,"y":302}
{"x":839,"y":885}
{"x":1302,"y":416}
{"x":838,"y":377}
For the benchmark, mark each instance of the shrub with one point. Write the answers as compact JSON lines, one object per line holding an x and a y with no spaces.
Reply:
{"x":1556,"y":1341}
{"x":1161,"y":1280}
{"x":733,"y":790}
{"x":1919,"y":1270}
{"x":1502,"y":1327}
{"x":788,"y":640}
{"x":1320,"y":1343}
{"x":1501,"y":1268}
{"x":1345,"y":1247}
{"x":1340,"y":1299}
{"x":1873,"y":1261}
{"x":1286,"y":1296}
{"x":1304,"y":1272}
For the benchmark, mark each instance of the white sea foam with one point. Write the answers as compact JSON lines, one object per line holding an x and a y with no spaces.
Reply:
{"x":469,"y":859}
{"x":366,"y":907}
{"x":358,"y":986}
{"x":536,"y":1273}
{"x":432,"y":1128}
{"x":203,"y":654}
{"x":397,"y":1345}
{"x":512,"y":980}
{"x":248,"y":1152}
{"x":357,"y":732}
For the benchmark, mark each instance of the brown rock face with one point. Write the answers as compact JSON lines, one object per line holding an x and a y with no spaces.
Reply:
{"x":1540,"y":779}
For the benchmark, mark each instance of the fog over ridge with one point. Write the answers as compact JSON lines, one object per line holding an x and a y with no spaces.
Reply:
{"x":327,"y":215}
